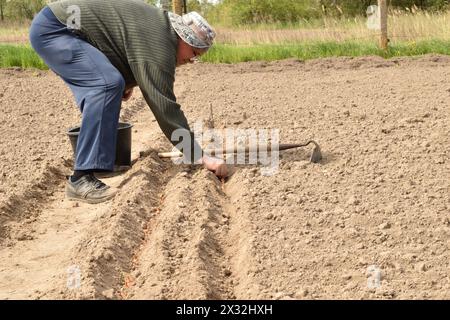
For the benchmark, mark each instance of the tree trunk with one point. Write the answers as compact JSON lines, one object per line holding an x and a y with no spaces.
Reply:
{"x":177,"y":6}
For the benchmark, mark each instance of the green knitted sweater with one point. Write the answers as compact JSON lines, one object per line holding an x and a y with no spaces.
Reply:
{"x":140,"y":42}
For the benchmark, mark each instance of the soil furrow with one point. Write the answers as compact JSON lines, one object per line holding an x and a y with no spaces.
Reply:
{"x":240,"y":239}
{"x":64,"y":249}
{"x":23,"y":208}
{"x":184,"y":256}
{"x":110,"y":252}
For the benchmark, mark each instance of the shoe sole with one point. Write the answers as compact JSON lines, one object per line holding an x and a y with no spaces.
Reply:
{"x":117,"y":171}
{"x":71,"y":197}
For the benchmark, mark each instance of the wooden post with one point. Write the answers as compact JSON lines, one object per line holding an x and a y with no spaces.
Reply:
{"x":177,"y":6}
{"x":382,"y":5}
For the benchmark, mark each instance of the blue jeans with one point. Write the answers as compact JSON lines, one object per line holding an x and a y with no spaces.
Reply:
{"x":96,"y":84}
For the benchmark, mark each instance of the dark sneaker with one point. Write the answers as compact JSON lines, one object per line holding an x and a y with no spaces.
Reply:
{"x":89,"y":189}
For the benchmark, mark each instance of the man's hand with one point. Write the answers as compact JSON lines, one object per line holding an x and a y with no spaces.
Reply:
{"x":216,"y":165}
{"x":127,"y":94}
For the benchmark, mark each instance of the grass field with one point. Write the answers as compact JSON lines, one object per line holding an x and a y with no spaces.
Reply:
{"x":402,"y":27}
{"x":410,"y":34}
{"x":311,"y":50}
{"x":20,"y":56}
{"x":14,"y":31}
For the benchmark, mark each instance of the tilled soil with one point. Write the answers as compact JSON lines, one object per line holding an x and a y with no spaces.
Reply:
{"x":370,"y":221}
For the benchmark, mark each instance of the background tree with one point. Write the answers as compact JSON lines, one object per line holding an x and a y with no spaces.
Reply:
{"x":239,"y":12}
{"x":152,"y":2}
{"x":23,"y":9}
{"x":2,"y":9}
{"x":353,"y":7}
{"x":256,"y":11}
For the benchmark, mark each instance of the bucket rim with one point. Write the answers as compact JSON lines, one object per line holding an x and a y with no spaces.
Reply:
{"x":74,"y":131}
{"x":124,"y":125}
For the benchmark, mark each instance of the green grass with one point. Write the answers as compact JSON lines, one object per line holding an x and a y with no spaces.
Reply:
{"x":24,"y":56}
{"x":268,"y":52}
{"x":20,"y":56}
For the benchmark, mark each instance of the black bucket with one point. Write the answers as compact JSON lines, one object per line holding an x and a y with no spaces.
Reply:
{"x":123,"y":145}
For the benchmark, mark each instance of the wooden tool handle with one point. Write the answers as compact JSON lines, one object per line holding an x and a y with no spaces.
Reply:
{"x":247,"y":149}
